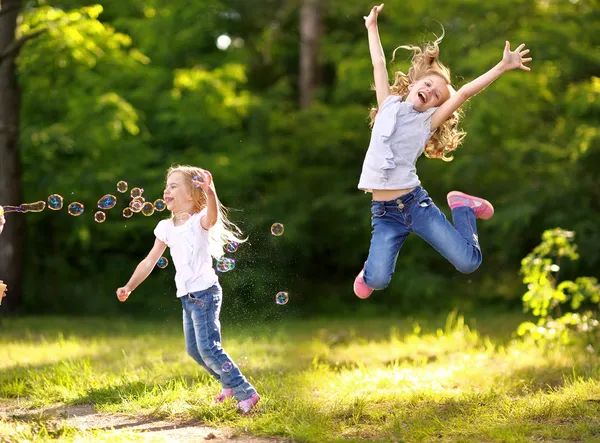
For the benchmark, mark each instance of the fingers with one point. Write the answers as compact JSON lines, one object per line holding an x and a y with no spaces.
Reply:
{"x":525,"y":52}
{"x":507,"y":46}
{"x":207,"y":177}
{"x":524,"y":68}
{"x":526,"y":60}
{"x":520,"y":47}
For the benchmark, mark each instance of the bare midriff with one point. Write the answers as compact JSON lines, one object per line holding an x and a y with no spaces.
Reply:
{"x":383,"y":195}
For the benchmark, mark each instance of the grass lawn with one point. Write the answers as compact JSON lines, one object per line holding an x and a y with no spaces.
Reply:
{"x":383,"y":379}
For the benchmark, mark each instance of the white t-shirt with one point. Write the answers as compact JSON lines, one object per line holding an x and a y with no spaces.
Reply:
{"x":189,"y":245}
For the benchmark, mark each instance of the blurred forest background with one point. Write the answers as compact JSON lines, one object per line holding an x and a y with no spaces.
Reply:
{"x":272,"y":96}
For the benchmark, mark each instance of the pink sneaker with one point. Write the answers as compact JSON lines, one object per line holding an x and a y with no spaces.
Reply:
{"x":483,"y":208}
{"x":360,"y":288}
{"x":244,"y":406}
{"x":224,"y":395}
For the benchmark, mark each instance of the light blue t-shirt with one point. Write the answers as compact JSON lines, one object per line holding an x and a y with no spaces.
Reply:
{"x":398,"y":139}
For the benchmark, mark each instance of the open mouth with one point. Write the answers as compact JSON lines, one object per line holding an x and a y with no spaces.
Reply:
{"x":168,"y":199}
{"x":422,"y":97}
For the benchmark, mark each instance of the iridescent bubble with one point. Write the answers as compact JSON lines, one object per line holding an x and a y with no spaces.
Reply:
{"x":242,"y":361}
{"x":225,"y":264}
{"x":55,"y":202}
{"x":148,"y":209}
{"x":277,"y":229}
{"x":160,"y":205}
{"x":227,"y":366}
{"x":137,"y":192}
{"x":232,"y":247}
{"x":99,"y":217}
{"x":162,"y":262}
{"x":197,"y":180}
{"x":139,"y":199}
{"x":107,"y":202}
{"x":127,"y":212}
{"x":136,"y":206}
{"x":122,"y":186}
{"x":75,"y":209}
{"x":282,"y":298}
{"x":26,"y":207}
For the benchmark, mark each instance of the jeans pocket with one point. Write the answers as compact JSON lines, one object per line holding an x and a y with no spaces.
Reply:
{"x":202,"y":298}
{"x":424,"y":200}
{"x":377,"y":210}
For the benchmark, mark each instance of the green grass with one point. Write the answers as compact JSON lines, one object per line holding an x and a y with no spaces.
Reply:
{"x":320,"y":380}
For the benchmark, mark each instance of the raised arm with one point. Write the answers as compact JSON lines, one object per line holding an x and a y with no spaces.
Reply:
{"x":142,"y":271}
{"x":212,"y":211}
{"x":382,"y":82}
{"x":510,"y":60}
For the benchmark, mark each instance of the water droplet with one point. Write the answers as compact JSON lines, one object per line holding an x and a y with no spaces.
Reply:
{"x":137,"y":192}
{"x":148,"y":209}
{"x":196,"y":181}
{"x":160,"y":205}
{"x":55,"y":202}
{"x":277,"y":229}
{"x":122,"y":186}
{"x":282,"y":298}
{"x":225,"y":264}
{"x":76,"y":209}
{"x":99,"y":217}
{"x":232,"y":247}
{"x":162,"y":262}
{"x":136,"y":206}
{"x":107,"y":202}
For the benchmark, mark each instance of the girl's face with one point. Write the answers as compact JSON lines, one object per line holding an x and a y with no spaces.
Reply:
{"x":177,"y":194}
{"x":428,"y":92}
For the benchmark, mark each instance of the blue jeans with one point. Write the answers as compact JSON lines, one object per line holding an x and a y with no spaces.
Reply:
{"x":393,"y":220}
{"x":202,"y":332}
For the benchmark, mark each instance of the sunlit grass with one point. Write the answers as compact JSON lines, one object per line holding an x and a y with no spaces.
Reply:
{"x":320,"y":380}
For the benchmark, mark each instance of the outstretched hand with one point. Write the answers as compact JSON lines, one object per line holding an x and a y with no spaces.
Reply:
{"x":203,"y":181}
{"x":371,"y":19}
{"x":514,"y":59}
{"x":123,"y":293}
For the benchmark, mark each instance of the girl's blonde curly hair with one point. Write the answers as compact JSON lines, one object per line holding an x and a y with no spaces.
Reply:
{"x":425,"y":62}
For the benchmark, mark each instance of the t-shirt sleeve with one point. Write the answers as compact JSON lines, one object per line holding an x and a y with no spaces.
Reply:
{"x":160,"y":231}
{"x":392,"y":98}
{"x":203,"y":213}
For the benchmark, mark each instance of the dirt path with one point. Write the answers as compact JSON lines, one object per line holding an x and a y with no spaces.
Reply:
{"x":84,"y":417}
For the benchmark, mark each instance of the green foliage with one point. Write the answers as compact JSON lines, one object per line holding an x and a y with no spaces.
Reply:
{"x":567,"y":310}
{"x":121,"y":90}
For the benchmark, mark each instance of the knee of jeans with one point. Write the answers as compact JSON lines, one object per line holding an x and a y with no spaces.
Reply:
{"x":468,"y":267}
{"x":378,"y":280}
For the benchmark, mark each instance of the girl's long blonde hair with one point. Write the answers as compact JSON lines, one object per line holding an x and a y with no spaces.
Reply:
{"x":224,"y":231}
{"x":425,"y":61}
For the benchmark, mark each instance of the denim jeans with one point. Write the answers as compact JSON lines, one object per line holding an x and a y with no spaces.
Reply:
{"x":393,"y":220}
{"x":202,"y":332}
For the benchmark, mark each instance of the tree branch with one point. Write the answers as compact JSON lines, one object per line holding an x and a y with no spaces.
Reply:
{"x":13,"y":49}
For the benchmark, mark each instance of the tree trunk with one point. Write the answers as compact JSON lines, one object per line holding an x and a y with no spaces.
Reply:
{"x":11,"y":188}
{"x":310,"y":30}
